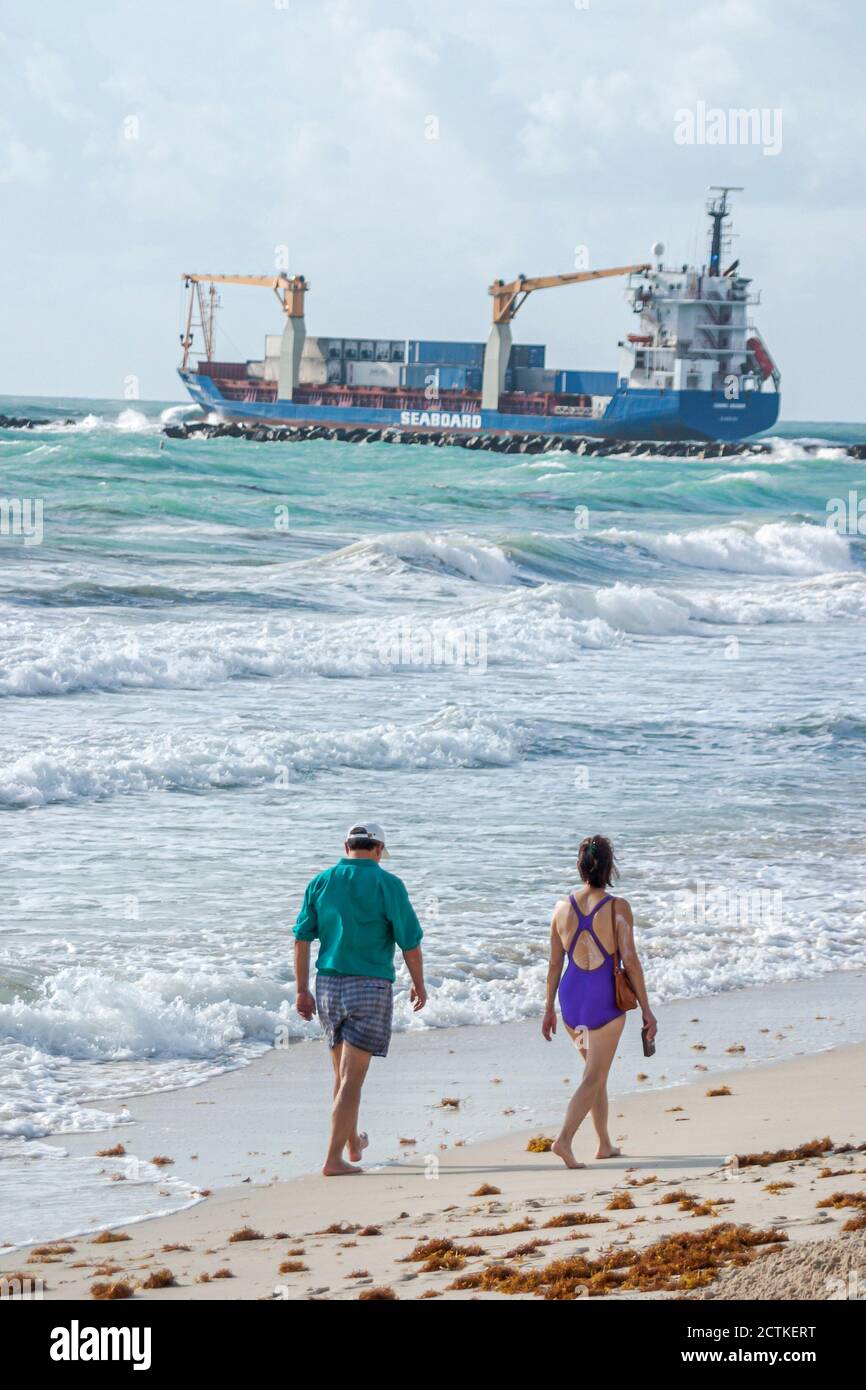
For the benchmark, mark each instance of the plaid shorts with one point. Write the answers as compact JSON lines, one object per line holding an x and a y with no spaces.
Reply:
{"x":356,"y":1009}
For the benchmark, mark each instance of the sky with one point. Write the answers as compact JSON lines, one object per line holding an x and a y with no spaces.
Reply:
{"x":402,"y":154}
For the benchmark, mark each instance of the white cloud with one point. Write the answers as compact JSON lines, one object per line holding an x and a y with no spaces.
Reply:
{"x":22,"y":163}
{"x":50,"y":81}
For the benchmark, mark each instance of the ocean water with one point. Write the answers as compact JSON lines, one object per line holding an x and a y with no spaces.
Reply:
{"x":221,"y":652}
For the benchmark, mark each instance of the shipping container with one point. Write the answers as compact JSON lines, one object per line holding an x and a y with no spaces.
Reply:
{"x":398,"y":350}
{"x":439,"y":354}
{"x":335,"y":371}
{"x":421,"y":375}
{"x":366,"y":350}
{"x":350,"y":349}
{"x":313,"y":371}
{"x":315,"y":348}
{"x":459,"y":378}
{"x":269,"y":370}
{"x":373,"y":373}
{"x":535,"y":379}
{"x":578,"y":383}
{"x":527,"y":355}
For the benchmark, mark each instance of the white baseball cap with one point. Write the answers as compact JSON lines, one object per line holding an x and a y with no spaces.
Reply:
{"x":370,"y":830}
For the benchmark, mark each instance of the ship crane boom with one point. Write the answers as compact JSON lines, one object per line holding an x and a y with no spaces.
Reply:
{"x":289,"y":289}
{"x":507,"y":298}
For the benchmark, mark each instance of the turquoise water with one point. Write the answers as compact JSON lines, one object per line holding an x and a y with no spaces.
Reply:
{"x":221,"y":652}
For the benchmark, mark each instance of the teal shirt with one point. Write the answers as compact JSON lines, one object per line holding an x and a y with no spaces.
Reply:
{"x":358,"y":913}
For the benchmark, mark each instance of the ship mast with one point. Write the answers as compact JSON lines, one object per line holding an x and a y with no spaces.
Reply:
{"x":719,"y":213}
{"x":206,"y":323}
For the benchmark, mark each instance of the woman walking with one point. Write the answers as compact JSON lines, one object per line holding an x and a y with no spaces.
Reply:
{"x":590,"y":929}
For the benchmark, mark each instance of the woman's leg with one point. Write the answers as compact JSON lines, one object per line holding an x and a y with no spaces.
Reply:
{"x":592,"y":1091}
{"x":599,"y":1120}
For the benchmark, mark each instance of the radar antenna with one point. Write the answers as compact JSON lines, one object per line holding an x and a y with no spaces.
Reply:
{"x":719,"y":213}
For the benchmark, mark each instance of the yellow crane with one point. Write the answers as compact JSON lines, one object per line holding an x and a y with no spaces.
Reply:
{"x":289,"y":289}
{"x":507,"y":298}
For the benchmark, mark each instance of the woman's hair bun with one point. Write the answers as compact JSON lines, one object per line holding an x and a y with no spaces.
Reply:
{"x":596,"y":861}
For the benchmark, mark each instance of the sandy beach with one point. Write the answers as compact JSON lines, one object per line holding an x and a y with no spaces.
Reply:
{"x":436,"y":1223}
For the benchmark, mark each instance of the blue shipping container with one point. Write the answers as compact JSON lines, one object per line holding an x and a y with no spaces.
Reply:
{"x":459,"y":378}
{"x":577,"y":383}
{"x":440,"y":354}
{"x":419,"y":375}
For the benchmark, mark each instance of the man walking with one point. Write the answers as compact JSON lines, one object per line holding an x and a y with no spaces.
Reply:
{"x":358,"y":913}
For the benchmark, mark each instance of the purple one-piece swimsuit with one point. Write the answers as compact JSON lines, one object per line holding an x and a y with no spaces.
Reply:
{"x":587,"y":998}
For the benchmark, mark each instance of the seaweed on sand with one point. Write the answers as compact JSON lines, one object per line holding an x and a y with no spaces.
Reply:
{"x":677,"y":1262}
{"x":119,"y":1289}
{"x":540,"y":1144}
{"x":813,"y":1149}
{"x":443,"y":1253}
{"x":159,"y":1279}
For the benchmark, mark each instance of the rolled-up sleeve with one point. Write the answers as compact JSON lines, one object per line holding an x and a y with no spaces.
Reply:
{"x":401,"y":915}
{"x":307,"y":924}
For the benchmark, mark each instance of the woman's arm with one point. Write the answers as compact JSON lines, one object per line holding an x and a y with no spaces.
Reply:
{"x":554,"y":970}
{"x":624,"y":937}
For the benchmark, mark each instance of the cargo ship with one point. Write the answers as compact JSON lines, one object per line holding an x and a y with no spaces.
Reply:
{"x":695,"y":368}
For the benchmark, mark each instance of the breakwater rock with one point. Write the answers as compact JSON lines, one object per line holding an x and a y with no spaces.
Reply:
{"x":495,"y":443}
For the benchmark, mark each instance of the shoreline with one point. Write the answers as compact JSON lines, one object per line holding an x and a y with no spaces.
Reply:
{"x":671,"y":1140}
{"x":266,"y":1121}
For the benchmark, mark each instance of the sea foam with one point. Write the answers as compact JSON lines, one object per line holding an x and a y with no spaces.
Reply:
{"x":772,"y":548}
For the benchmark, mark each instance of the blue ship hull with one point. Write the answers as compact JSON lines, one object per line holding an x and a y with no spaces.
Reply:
{"x":645,"y":414}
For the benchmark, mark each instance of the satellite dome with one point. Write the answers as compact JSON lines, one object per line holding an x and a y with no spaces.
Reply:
{"x":658,"y":249}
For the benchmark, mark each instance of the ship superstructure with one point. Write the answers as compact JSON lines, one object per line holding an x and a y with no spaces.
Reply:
{"x":695,"y":333}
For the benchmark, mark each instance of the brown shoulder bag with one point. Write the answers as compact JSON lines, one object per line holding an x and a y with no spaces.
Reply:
{"x":625,"y":996}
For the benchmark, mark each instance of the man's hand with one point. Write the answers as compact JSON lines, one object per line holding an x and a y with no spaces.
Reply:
{"x":305,"y":1004}
{"x":417,"y":997}
{"x":548,"y":1024}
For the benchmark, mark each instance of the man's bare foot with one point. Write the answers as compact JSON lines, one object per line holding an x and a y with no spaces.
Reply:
{"x":339,"y":1170}
{"x":357,"y":1146}
{"x":607,"y":1151}
{"x":563,"y":1151}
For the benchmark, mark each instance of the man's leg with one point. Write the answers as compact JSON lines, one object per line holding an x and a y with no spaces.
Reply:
{"x":357,"y":1142}
{"x":349,"y":1081}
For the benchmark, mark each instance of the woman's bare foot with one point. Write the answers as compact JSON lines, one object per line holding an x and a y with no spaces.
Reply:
{"x":357,"y":1146}
{"x":563,"y":1151}
{"x":339,"y":1170}
{"x":607,"y":1151}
